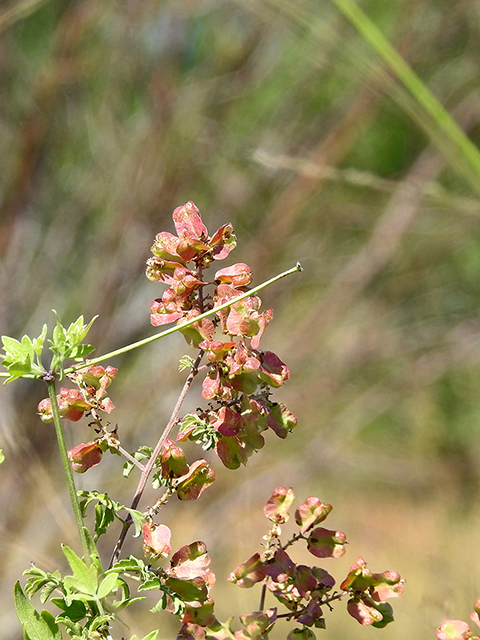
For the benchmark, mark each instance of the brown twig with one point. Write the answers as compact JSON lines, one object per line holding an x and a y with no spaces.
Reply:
{"x":148,"y":467}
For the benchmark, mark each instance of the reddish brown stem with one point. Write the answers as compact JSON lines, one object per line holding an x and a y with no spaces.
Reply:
{"x":148,"y":467}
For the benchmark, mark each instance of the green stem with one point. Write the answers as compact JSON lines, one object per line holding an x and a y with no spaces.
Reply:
{"x":178,"y":327}
{"x":66,"y":465}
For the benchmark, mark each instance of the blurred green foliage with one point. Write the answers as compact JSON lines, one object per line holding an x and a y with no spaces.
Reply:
{"x":281,"y":118}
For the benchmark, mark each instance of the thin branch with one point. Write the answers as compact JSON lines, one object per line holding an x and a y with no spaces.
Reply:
{"x":148,"y":467}
{"x":163,"y":334}
{"x":129,"y":457}
{"x":179,"y":327}
{"x":262,"y":597}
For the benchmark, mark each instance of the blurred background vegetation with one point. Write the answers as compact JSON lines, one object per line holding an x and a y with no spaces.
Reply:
{"x":292,"y":120}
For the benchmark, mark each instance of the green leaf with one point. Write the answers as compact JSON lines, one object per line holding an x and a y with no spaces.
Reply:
{"x":138,"y":519}
{"x":186,"y":362}
{"x":19,"y":356}
{"x":14,"y":349}
{"x":84,"y":578}
{"x":36,"y":626}
{"x":150,"y":585}
{"x":41,"y":580}
{"x":176,"y":605}
{"x":66,"y":342}
{"x":161,"y":605}
{"x":75,"y":629}
{"x":92,"y":549}
{"x":19,"y":368}
{"x":143,"y":453}
{"x":98,"y":621}
{"x":77,"y":331}
{"x":2,"y":456}
{"x":47,"y":591}
{"x":194,"y":590}
{"x":35,"y":584}
{"x":129,"y":564}
{"x":80,"y":351}
{"x":104,"y":516}
{"x":53,"y":626}
{"x":59,"y":337}
{"x":108,"y":585}
{"x":151,"y":636}
{"x":123,"y":604}
{"x":74,"y":330}
{"x":38,"y":342}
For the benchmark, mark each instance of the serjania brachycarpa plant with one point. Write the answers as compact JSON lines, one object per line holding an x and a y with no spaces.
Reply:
{"x":220,"y":318}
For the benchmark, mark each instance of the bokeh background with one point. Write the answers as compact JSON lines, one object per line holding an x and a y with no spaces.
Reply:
{"x":288,"y":119}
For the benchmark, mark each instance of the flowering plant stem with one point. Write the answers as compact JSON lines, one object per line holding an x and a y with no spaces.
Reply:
{"x":67,"y":466}
{"x":147,"y":469}
{"x":240,"y":378}
{"x":178,"y":327}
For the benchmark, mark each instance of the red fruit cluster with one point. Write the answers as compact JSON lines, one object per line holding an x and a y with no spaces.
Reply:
{"x":370,"y":592}
{"x":240,"y":375}
{"x":172,"y":254}
{"x":91,"y":394}
{"x":187,"y":577}
{"x":92,"y":385}
{"x":303,"y":589}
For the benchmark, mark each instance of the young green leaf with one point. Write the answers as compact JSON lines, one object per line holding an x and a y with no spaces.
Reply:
{"x":84,"y":578}
{"x":18,"y":369}
{"x":14,"y":349}
{"x":79,"y":352}
{"x":66,"y":342}
{"x":23,"y":358}
{"x":108,"y":585}
{"x":123,"y":604}
{"x":185,"y":362}
{"x":74,"y":629}
{"x":92,"y":548}
{"x":97,"y":622}
{"x":137,"y":517}
{"x":38,"y":342}
{"x":77,"y":331}
{"x":59,"y":337}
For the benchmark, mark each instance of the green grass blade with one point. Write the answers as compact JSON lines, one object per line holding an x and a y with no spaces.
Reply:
{"x":449,"y":127}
